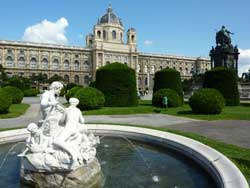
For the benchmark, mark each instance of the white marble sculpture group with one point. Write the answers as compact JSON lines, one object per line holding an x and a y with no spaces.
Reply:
{"x":60,"y":141}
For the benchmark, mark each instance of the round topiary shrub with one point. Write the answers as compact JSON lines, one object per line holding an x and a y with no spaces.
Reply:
{"x":174,"y":100}
{"x":207,"y":101}
{"x":31,"y":92}
{"x":225,"y":81}
{"x":71,"y":93}
{"x":118,"y":84}
{"x":14,"y":93}
{"x":90,"y":98}
{"x":168,"y":79}
{"x":5,"y":102}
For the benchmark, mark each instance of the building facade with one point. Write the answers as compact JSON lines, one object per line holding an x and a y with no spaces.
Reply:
{"x":105,"y":45}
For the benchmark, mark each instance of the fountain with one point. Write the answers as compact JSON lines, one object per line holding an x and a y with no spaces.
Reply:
{"x":59,"y":150}
{"x":62,"y":151}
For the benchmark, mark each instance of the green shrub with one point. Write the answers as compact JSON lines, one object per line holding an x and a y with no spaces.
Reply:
{"x":14,"y":93}
{"x":70,"y":86}
{"x":90,"y":98}
{"x":31,"y":92}
{"x":19,"y":82}
{"x":207,"y":101}
{"x":118,"y":84}
{"x":5,"y":102}
{"x":168,"y":79}
{"x":72,"y":92}
{"x":225,"y":81}
{"x":174,"y":100}
{"x":92,"y":84}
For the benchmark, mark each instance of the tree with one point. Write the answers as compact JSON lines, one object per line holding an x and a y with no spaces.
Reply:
{"x":3,"y":75}
{"x":55,"y":78}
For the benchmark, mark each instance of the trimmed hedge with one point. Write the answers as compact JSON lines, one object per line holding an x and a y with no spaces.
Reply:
{"x":174,"y":100}
{"x":31,"y":92}
{"x":5,"y":102}
{"x":118,"y":83}
{"x":70,"y":86}
{"x":14,"y":93}
{"x":168,"y":79}
{"x":72,"y":92}
{"x":207,"y":101}
{"x":225,"y":81}
{"x":90,"y":98}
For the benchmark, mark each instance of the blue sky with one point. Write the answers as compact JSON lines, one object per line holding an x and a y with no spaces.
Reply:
{"x":179,"y":27}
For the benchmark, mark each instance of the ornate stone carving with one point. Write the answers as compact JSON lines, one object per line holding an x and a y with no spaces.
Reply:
{"x":58,"y":144}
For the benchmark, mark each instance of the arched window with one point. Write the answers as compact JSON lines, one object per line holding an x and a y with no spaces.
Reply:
{"x":55,"y":64}
{"x":180,"y":70}
{"x":132,"y":38}
{"x":66,"y":78}
{"x":104,"y":34}
{"x":186,"y":71}
{"x":66,"y":64}
{"x":21,"y":62}
{"x":76,"y":65}
{"x":86,"y":64}
{"x":139,"y":81}
{"x":113,"y":34}
{"x":9,"y":61}
{"x":107,"y":62}
{"x":45,"y":63}
{"x":76,"y":79}
{"x":33,"y":63}
{"x":86,"y":80}
{"x":99,"y":34}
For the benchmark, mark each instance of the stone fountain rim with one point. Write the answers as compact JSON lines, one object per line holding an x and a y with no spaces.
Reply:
{"x":224,"y":172}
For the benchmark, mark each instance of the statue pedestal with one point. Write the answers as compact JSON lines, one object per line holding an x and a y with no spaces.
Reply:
{"x":87,"y":176}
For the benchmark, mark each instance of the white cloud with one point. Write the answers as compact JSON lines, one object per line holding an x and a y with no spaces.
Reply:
{"x":244,"y":61}
{"x":148,"y":42}
{"x":47,"y":32}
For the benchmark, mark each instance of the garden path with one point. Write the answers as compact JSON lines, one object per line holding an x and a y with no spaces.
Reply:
{"x":229,"y":131}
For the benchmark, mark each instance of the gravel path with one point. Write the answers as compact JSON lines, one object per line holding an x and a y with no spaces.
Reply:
{"x":231,"y":131}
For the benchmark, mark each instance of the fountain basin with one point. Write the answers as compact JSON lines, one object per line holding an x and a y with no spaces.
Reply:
{"x":222,"y":170}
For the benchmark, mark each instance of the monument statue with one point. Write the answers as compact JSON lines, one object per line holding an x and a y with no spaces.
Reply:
{"x":59,"y":145}
{"x":246,"y":76}
{"x":223,"y":36}
{"x":224,"y":54}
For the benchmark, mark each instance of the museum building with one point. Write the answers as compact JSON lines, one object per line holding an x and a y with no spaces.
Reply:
{"x":105,"y":45}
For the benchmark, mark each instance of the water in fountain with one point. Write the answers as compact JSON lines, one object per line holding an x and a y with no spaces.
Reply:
{"x":9,"y":151}
{"x":123,"y":166}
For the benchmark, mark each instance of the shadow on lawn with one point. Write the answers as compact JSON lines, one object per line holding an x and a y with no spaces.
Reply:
{"x":185,"y":112}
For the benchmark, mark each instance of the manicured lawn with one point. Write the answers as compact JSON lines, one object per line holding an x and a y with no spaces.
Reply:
{"x":229,"y":112}
{"x":15,"y":111}
{"x":143,"y":108}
